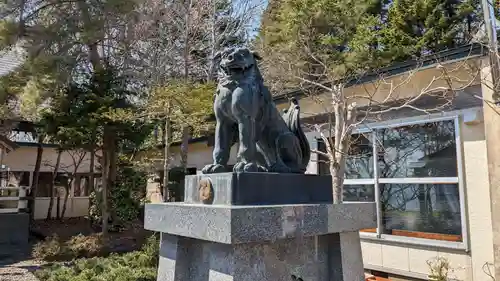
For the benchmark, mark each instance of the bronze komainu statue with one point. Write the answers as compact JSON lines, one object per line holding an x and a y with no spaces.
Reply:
{"x":268,"y":141}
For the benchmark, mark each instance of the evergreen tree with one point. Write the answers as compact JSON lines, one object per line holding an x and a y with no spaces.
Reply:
{"x":345,"y":33}
{"x":357,"y":36}
{"x":419,"y":27}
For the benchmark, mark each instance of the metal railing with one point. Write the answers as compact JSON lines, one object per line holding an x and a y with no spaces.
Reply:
{"x":13,"y":199}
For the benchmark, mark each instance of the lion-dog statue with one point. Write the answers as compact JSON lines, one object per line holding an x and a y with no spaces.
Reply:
{"x":268,"y":141}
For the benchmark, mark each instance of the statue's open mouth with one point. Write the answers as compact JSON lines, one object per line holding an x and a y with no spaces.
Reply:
{"x":232,"y":69}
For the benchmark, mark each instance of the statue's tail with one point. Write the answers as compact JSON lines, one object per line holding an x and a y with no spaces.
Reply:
{"x":292,"y":120}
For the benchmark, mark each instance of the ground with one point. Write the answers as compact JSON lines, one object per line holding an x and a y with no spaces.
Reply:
{"x":21,"y":266}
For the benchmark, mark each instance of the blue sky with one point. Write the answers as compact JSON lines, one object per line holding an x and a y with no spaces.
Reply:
{"x":254,"y":25}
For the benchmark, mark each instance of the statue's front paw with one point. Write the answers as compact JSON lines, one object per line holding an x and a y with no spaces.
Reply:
{"x":213,"y":169}
{"x":243,"y":167}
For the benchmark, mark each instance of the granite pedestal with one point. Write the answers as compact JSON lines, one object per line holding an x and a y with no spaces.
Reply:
{"x":259,"y":227}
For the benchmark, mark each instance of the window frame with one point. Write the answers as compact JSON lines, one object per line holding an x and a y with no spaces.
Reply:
{"x":456,"y":117}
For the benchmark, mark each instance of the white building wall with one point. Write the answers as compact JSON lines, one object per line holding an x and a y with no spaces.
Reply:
{"x":23,"y":159}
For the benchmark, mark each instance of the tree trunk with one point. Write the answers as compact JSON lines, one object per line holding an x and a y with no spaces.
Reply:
{"x":36,"y":177}
{"x":52,"y":183}
{"x":166,"y":158}
{"x":58,"y":204}
{"x":337,"y":182}
{"x":187,"y":20}
{"x":91,"y":167}
{"x":109,"y":174}
{"x":105,"y":180}
{"x":91,"y":43}
{"x":66,"y":196}
{"x":112,"y":173}
{"x":186,"y":135}
{"x":337,"y":170}
{"x":214,"y":44}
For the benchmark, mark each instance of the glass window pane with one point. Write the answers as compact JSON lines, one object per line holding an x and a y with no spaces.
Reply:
{"x":421,"y":150}
{"x":430,"y":211}
{"x":359,"y":193}
{"x":85,"y":186}
{"x":359,"y":162}
{"x":18,"y":178}
{"x":322,"y":160}
{"x":44,"y":181}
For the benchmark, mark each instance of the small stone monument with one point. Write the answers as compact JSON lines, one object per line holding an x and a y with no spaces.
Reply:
{"x":266,"y":220}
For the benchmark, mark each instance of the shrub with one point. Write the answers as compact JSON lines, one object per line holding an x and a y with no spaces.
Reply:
{"x":125,"y":197}
{"x":134,"y":266}
{"x":48,"y":250}
{"x":77,"y":247}
{"x":85,"y":246}
{"x":151,"y":249}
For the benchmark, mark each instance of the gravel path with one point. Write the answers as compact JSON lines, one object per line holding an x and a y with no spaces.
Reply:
{"x":18,"y":271}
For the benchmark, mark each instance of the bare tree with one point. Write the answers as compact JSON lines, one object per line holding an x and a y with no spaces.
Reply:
{"x":349,"y":108}
{"x":52,"y":184}
{"x":70,"y":170}
{"x":179,"y":40}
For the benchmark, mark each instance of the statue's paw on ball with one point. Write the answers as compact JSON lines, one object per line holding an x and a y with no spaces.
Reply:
{"x":213,"y":169}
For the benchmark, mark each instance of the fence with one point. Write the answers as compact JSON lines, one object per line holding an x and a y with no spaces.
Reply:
{"x":13,"y":199}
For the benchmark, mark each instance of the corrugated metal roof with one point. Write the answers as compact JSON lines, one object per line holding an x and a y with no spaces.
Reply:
{"x":9,"y":61}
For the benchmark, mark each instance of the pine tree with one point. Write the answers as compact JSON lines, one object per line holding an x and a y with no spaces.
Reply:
{"x":346,"y":33}
{"x":419,"y":27}
{"x":357,"y":36}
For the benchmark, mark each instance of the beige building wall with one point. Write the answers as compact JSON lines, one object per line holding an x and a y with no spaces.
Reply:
{"x":24,"y":158}
{"x":199,"y":155}
{"x":76,"y":207}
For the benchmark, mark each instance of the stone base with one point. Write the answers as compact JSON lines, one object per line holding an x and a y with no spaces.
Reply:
{"x":14,"y":234}
{"x":259,"y":227}
{"x":246,"y":224}
{"x":332,"y":257}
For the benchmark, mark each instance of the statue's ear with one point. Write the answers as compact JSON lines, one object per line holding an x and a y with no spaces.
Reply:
{"x":256,"y":56}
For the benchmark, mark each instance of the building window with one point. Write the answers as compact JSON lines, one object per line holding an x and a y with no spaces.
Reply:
{"x":19,"y":178}
{"x":44,"y":182}
{"x":81,"y":185}
{"x":415,"y":173}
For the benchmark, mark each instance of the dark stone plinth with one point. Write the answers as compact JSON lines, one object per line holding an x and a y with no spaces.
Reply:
{"x":261,"y":188}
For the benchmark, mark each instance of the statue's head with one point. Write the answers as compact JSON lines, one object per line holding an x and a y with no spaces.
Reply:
{"x":234,"y":61}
